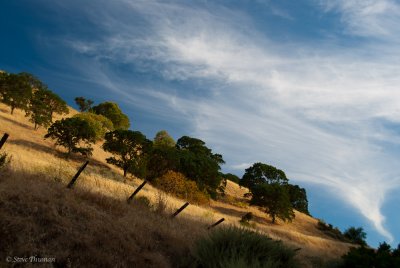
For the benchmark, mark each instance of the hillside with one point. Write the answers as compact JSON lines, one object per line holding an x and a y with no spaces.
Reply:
{"x":94,"y":222}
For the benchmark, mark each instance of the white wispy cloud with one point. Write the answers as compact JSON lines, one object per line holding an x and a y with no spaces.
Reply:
{"x":377,"y":18}
{"x":314,"y":111}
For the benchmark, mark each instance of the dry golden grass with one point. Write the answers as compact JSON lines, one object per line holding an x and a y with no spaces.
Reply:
{"x":101,"y":189}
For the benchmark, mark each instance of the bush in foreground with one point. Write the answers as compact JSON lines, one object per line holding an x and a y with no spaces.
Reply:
{"x":234,"y":247}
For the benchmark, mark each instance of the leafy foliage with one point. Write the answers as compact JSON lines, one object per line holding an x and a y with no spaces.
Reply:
{"x":190,"y":157}
{"x":100,"y":124}
{"x":43,"y":104}
{"x":112,"y":111}
{"x":298,"y":198}
{"x":70,"y":132}
{"x":24,"y":91}
{"x":38,"y":111}
{"x":162,"y":138}
{"x":198,"y":163}
{"x":84,"y":104}
{"x":275,"y":199}
{"x":356,"y":235}
{"x":260,"y":173}
{"x":16,"y":89}
{"x":177,"y":184}
{"x":161,"y":160}
{"x":55,"y":104}
{"x":363,"y":257}
{"x":236,"y":248}
{"x":129,"y":148}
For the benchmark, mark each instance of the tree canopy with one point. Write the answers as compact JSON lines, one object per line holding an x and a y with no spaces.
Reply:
{"x":162,"y":138}
{"x":100,"y":124}
{"x":129,"y":148}
{"x":70,"y":133}
{"x":112,"y":111}
{"x":298,"y":198}
{"x":162,"y":160}
{"x":42,"y":105}
{"x":55,"y":104}
{"x":25,"y":91}
{"x":260,"y":173}
{"x":84,"y":104}
{"x":356,"y":235}
{"x":199,"y":163}
{"x":275,"y":199}
{"x":16,"y":89}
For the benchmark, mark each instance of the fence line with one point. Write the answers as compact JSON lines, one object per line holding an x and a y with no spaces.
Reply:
{"x":136,"y":191}
{"x":3,"y":140}
{"x":180,"y":210}
{"x":80,"y":170}
{"x":215,"y":224}
{"x":71,"y":183}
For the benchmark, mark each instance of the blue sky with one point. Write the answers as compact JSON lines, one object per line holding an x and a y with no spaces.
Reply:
{"x":308,"y":86}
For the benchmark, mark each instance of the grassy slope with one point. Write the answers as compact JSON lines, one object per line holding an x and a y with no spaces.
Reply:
{"x":32,"y":196}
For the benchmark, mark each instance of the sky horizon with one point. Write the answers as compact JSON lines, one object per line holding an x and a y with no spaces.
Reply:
{"x":307,"y":86}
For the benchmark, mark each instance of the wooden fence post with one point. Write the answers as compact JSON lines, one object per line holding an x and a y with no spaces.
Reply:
{"x":215,"y":224}
{"x":3,"y":140}
{"x":180,"y":210}
{"x":71,"y":183}
{"x":136,"y":191}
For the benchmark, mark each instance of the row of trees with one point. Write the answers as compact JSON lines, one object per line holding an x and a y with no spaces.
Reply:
{"x":26,"y":92}
{"x":136,"y":154}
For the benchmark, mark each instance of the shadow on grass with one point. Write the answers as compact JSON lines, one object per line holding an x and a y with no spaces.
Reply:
{"x":57,"y":153}
{"x":16,"y":122}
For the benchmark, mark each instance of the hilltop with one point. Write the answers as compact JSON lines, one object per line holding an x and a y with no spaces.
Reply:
{"x":93,"y":221}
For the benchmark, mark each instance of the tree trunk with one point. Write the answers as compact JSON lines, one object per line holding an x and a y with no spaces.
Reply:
{"x":69,"y":152}
{"x":273,"y":218}
{"x":125,"y":171}
{"x":12,"y":109}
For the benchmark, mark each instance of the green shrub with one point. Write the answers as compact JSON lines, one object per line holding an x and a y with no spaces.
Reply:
{"x":237,"y":247}
{"x":177,"y":184}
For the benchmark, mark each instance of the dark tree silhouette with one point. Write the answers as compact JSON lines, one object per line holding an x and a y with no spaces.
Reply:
{"x":83,"y":104}
{"x":129,"y":148}
{"x":70,"y":132}
{"x":275,"y":199}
